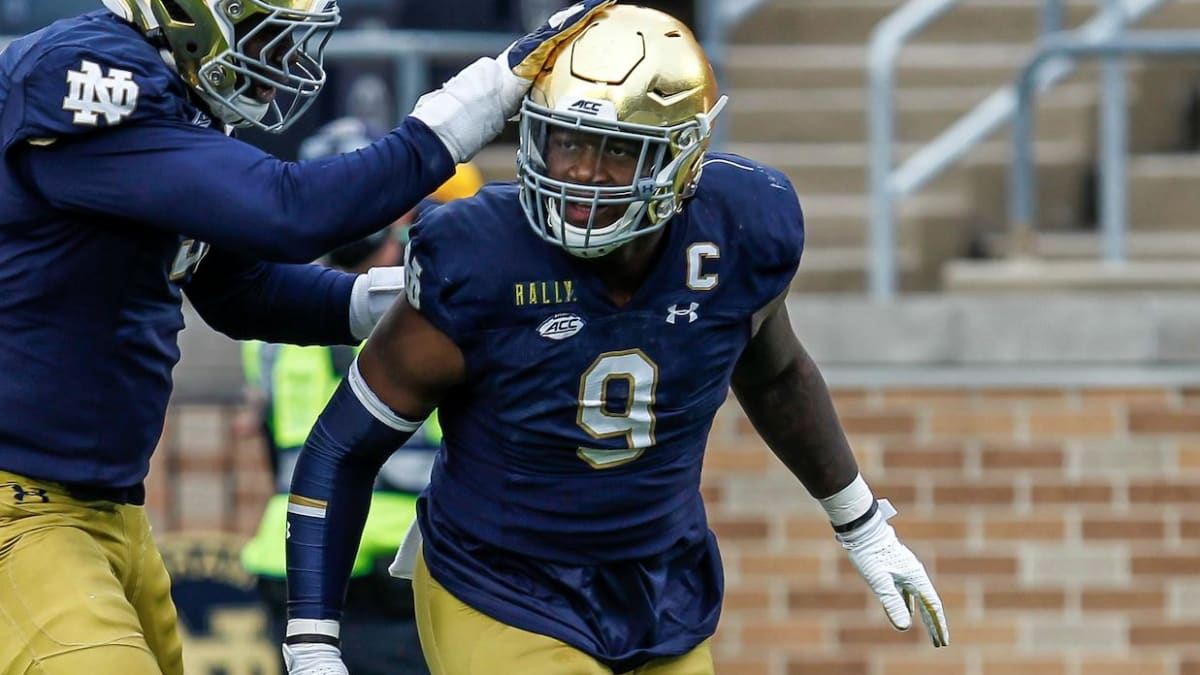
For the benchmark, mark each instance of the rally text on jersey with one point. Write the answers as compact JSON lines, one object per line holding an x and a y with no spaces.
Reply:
{"x":543,"y":292}
{"x":91,"y":93}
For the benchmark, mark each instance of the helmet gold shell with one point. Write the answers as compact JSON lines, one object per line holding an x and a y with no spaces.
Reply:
{"x":634,"y":74}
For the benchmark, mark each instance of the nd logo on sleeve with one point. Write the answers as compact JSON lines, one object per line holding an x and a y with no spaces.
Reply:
{"x":91,"y":93}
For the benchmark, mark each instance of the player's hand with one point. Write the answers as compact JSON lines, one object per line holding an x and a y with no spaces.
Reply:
{"x":472,"y":107}
{"x":895,"y":575}
{"x":312,"y":658}
{"x":527,"y":56}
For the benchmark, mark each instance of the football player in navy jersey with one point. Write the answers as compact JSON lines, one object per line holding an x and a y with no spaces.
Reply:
{"x":120,"y":191}
{"x":579,"y":330}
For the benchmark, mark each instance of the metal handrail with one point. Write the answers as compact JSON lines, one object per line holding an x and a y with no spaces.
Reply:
{"x":886,"y":40}
{"x":886,"y":185}
{"x":1022,"y":188}
{"x":714,"y":20}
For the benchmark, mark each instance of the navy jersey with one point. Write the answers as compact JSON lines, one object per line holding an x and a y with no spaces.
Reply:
{"x":118,"y":192}
{"x":567,"y":500}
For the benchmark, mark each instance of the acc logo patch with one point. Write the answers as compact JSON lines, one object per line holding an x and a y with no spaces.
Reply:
{"x":591,"y":107}
{"x":560,"y":326}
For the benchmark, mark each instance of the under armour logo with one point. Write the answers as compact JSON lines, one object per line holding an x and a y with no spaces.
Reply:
{"x":674,"y":312}
{"x":90,"y":94}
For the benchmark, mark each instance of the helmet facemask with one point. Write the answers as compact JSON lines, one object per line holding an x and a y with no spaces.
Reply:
{"x":652,"y":158}
{"x":231,"y":52}
{"x":283,"y":51}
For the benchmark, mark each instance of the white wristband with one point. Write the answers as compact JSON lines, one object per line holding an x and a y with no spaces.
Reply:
{"x":372,"y":296}
{"x":849,"y":503}
{"x":326,"y":627}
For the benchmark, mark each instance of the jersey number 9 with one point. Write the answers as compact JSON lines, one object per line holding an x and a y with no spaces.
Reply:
{"x":632,"y":418}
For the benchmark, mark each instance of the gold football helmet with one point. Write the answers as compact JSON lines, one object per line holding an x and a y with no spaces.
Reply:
{"x":239,"y":55}
{"x":633,"y":87}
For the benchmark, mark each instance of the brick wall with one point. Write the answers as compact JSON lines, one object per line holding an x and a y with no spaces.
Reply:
{"x":1062,"y":528}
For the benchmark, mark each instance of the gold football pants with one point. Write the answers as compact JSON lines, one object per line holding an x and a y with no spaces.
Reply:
{"x":83,"y":589}
{"x":459,"y":640}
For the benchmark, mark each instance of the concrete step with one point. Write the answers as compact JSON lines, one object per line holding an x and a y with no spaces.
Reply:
{"x":979,"y":21}
{"x":930,"y":231}
{"x":1088,"y":246}
{"x":844,"y":270}
{"x":820,"y":168}
{"x":827,"y":168}
{"x":786,"y":66}
{"x":840,"y":220}
{"x":840,"y":115}
{"x":1063,"y":182}
{"x":974,"y":276}
{"x":840,"y":21}
{"x":789,"y":66}
{"x":1162,"y":192}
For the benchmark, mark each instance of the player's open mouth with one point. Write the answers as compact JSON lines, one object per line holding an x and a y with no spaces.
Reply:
{"x":577,"y":214}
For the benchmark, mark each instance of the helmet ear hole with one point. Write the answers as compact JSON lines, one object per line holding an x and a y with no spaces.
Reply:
{"x":177,"y":13}
{"x":192,"y":47}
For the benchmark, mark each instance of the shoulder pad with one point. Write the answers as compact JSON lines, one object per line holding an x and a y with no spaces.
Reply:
{"x":84,"y":74}
{"x":762,"y":202}
{"x":459,"y":255}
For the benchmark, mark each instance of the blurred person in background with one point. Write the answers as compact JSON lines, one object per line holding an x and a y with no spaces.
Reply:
{"x":123,"y":189}
{"x":578,"y":332}
{"x":288,"y":386}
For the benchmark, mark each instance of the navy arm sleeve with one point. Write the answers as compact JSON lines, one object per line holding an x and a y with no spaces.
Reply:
{"x":289,"y":303}
{"x":330,"y":498}
{"x":217,"y":189}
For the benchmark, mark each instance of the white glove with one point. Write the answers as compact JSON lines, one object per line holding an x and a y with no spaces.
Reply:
{"x":313,"y":658}
{"x":372,"y":295}
{"x":471,"y":108}
{"x":895,"y":575}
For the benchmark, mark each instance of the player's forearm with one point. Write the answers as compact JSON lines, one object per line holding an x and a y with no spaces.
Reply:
{"x":286,"y":303}
{"x":232,"y":195}
{"x":330,"y":497}
{"x":795,"y":415}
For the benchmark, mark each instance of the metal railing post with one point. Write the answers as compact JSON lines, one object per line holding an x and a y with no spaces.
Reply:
{"x":1113,"y":147}
{"x":888,"y":186}
{"x":1053,"y":17}
{"x":1022,"y":195}
{"x":1022,"y":186}
{"x":886,"y":40}
{"x":714,"y":20}
{"x":882,"y":271}
{"x":412,"y":80}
